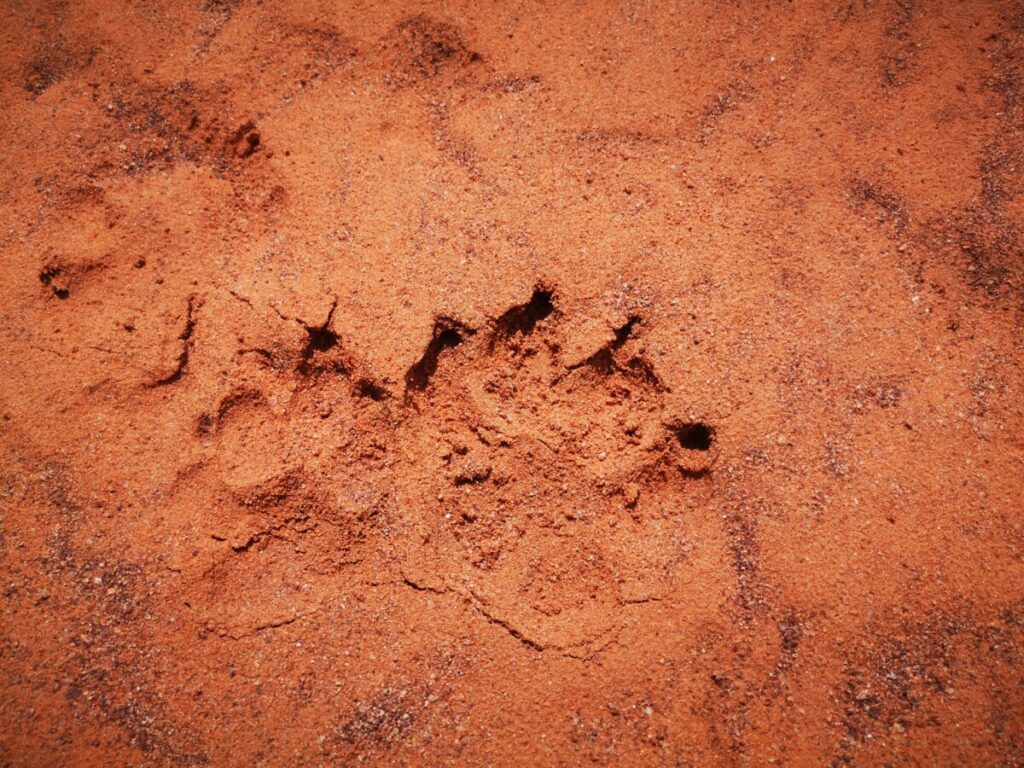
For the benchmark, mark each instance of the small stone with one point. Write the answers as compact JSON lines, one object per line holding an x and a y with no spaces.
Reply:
{"x":632,"y":494}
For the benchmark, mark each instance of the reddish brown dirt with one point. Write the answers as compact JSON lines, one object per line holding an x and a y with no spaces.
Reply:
{"x":512,"y":384}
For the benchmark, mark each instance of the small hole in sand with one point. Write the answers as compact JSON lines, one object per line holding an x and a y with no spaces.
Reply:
{"x":695,"y":436}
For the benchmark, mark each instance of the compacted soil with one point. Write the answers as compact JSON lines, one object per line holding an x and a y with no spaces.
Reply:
{"x":477,"y":383}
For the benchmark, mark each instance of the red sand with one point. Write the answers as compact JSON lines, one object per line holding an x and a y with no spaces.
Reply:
{"x":509,"y":384}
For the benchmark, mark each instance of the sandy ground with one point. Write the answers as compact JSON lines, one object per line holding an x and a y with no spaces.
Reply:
{"x":483,"y":384}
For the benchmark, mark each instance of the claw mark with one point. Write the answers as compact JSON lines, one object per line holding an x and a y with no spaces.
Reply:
{"x":523,"y":318}
{"x":321,"y":339}
{"x":368,"y":388}
{"x":604,"y":359}
{"x":448,"y":334}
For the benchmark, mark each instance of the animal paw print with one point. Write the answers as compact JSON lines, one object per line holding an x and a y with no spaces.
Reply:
{"x":547,"y":485}
{"x":538,"y":479}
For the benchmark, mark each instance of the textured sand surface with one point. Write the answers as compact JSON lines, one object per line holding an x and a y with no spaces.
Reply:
{"x":484,"y":384}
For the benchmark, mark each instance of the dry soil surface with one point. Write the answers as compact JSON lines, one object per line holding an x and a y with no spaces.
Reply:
{"x":474,"y":383}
